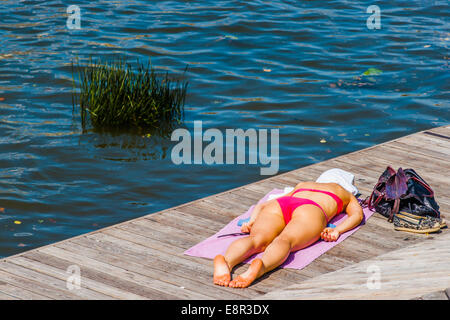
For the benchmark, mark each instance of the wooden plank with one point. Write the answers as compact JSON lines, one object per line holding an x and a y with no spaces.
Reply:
{"x":115,"y":276}
{"x":423,"y":150}
{"x":188,"y":219}
{"x":4,"y":296}
{"x":150,"y":268}
{"x":200,"y":210}
{"x":445,"y":130}
{"x":403,"y":274}
{"x":438,"y":295}
{"x":288,"y":180}
{"x":432,"y":141}
{"x":56,"y":267}
{"x":35,"y":289}
{"x":230,"y":209}
{"x":164,"y":243}
{"x":183,"y":239}
{"x":87,"y":290}
{"x":406,"y":156}
{"x":373,"y":162}
{"x":251,"y":193}
{"x":13,"y":286}
{"x":141,"y":245}
{"x":222,"y":214}
{"x":180,"y":222}
{"x":47,"y":285}
{"x":261,"y":189}
{"x":200,"y":268}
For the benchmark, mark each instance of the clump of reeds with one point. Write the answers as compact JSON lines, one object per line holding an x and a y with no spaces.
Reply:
{"x":113,"y":95}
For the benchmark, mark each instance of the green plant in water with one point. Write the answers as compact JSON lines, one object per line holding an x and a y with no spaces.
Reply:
{"x":372,"y":72}
{"x":114,"y":96}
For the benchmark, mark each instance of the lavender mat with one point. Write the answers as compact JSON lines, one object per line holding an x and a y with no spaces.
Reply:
{"x":213,"y":245}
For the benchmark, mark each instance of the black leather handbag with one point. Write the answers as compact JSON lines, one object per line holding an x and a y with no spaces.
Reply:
{"x":402,"y":190}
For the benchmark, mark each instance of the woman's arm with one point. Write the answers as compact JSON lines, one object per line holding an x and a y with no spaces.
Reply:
{"x":246,"y":227}
{"x":355,"y":216}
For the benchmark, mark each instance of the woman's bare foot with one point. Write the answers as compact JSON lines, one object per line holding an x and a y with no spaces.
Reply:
{"x":254,"y":271}
{"x":222,"y":275}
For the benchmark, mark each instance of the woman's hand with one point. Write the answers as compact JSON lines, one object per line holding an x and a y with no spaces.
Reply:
{"x":246,"y":227}
{"x":330,"y":234}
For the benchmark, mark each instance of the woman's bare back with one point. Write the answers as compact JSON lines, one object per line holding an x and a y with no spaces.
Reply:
{"x":328,"y":204}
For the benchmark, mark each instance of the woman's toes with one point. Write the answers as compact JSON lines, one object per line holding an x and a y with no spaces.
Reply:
{"x":221,"y":275}
{"x":222,"y":280}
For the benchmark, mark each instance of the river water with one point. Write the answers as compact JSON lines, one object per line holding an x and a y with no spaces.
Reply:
{"x":295,"y":67}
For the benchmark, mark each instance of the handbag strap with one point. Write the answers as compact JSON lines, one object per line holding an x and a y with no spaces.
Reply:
{"x":394,"y":209}
{"x":426,"y":186}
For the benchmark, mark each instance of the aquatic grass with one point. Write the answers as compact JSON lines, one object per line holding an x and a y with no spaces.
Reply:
{"x":113,"y":95}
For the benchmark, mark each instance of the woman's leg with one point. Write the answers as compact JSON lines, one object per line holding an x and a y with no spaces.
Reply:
{"x":267,"y":226}
{"x":303,"y":230}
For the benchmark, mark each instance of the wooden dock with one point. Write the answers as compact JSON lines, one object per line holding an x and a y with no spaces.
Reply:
{"x":405,"y":273}
{"x":143,"y":258}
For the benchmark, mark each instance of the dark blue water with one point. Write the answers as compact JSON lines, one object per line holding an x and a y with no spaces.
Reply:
{"x":295,"y":66}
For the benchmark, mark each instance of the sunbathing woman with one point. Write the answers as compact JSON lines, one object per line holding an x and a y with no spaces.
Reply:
{"x":284,"y":225}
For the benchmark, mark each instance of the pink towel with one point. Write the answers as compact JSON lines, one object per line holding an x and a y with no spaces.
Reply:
{"x":213,"y":245}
